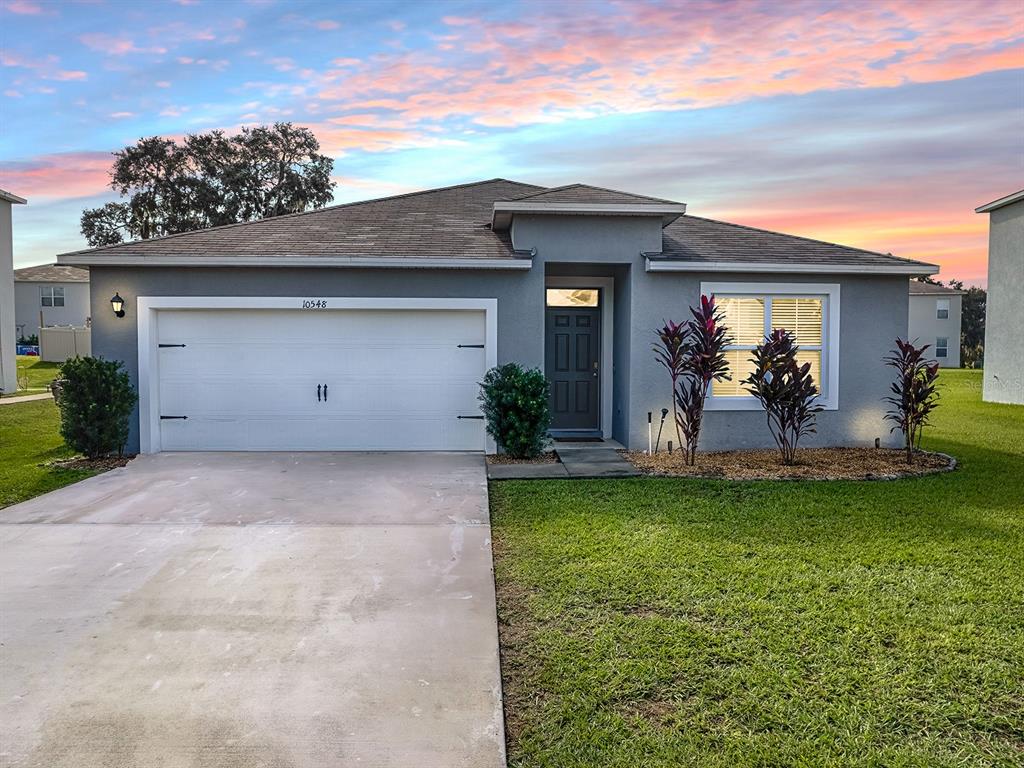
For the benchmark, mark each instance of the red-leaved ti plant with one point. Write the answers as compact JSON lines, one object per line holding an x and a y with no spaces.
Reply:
{"x":914,"y":395}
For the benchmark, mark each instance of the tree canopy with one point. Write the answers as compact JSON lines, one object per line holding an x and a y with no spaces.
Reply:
{"x":210,"y":179}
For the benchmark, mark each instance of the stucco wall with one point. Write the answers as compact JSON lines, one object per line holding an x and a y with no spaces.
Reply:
{"x":520,"y":300}
{"x":28,"y":305}
{"x":925,"y":325}
{"x":1004,"y":319}
{"x":873,"y":311}
{"x":8,"y":365}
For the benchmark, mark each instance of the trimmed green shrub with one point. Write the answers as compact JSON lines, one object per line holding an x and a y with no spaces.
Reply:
{"x":515,"y":405}
{"x":95,"y":404}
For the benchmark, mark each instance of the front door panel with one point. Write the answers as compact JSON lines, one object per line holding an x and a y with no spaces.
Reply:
{"x":573,"y":353}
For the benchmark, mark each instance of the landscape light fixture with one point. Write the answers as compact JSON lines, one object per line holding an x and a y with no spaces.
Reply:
{"x":117,"y":304}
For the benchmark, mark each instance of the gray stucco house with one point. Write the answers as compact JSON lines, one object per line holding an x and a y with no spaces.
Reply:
{"x":367,"y":326}
{"x":1004,"y":320}
{"x":935,"y":319}
{"x":59,"y":294}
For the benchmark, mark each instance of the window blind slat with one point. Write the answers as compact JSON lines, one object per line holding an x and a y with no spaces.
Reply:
{"x":744,"y":317}
{"x":801,"y":317}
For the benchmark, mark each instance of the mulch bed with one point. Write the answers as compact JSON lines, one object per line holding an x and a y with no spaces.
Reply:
{"x":545,"y":458}
{"x":102,"y":464}
{"x":812,"y":464}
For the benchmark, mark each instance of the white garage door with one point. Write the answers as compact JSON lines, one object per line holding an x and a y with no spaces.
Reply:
{"x":338,"y":380}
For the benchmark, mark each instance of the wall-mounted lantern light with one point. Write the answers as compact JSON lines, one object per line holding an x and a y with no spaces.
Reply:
{"x":117,"y":304}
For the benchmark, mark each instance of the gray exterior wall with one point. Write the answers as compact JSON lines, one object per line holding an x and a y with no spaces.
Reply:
{"x":8,"y":363}
{"x":925,"y":326}
{"x":1004,"y":320}
{"x":27,"y":305}
{"x":520,"y":300}
{"x":873,"y":313}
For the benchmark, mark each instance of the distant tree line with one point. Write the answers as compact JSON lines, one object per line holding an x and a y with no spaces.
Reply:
{"x":210,"y":179}
{"x":972,"y":321}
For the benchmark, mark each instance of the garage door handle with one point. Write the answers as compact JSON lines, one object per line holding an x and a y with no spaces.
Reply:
{"x":318,"y":393}
{"x":164,"y":346}
{"x":470,"y":346}
{"x":469,"y":417}
{"x":162,"y":418}
{"x":325,"y":393}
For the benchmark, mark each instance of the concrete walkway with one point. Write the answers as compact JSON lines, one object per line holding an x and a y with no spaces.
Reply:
{"x":25,"y":398}
{"x":253,"y":610}
{"x":577,"y":460}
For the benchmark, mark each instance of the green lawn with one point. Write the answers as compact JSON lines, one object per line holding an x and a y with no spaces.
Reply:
{"x":668,"y":622}
{"x":29,"y":437}
{"x":36,"y":374}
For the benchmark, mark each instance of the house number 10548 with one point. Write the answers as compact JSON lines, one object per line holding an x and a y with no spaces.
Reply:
{"x":314,"y":304}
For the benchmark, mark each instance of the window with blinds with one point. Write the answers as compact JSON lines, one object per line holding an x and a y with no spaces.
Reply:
{"x":750,"y":318}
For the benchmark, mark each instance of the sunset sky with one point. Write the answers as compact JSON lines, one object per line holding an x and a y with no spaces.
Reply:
{"x":880,"y":124}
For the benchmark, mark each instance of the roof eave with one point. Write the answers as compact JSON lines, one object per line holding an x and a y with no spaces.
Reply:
{"x":501,"y":218}
{"x":10,"y":197}
{"x":138,"y":260}
{"x":1001,"y":202}
{"x":673,"y":265}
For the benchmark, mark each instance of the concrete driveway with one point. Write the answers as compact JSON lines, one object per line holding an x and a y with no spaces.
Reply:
{"x":253,"y":611}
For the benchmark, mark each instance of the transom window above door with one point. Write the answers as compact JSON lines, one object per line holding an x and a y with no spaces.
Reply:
{"x":572,"y":297}
{"x":752,"y":311}
{"x":52,"y":296}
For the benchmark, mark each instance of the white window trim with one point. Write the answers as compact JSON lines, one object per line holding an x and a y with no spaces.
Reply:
{"x":607,"y":286}
{"x":149,"y":308}
{"x":940,"y":305}
{"x":830,"y":353}
{"x":50,"y":292}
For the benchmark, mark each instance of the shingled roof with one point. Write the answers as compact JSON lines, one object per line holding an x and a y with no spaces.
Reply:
{"x":449,"y":223}
{"x":454,"y":224}
{"x":715,"y":244}
{"x":51,"y":273}
{"x":584,"y":193}
{"x":917,"y":288}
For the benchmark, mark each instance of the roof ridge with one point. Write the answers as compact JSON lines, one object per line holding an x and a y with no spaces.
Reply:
{"x":801,"y":237}
{"x":351,"y":204}
{"x":601,"y":189}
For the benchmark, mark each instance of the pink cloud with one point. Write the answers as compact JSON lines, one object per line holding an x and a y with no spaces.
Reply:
{"x":326,"y":24}
{"x":641,"y":58}
{"x":114,"y":45}
{"x":62,"y":175}
{"x":22,"y":7}
{"x":46,"y":68}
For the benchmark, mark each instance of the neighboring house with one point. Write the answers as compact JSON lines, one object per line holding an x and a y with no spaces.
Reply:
{"x":8,"y":361}
{"x":1004,"y":318}
{"x":367,"y":326}
{"x":934,"y":320}
{"x":57,"y":293}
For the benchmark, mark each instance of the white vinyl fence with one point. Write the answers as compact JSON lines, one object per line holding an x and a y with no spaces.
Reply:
{"x":58,"y":343}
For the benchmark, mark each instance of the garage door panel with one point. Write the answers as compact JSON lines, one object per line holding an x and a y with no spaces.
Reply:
{"x":247,"y":379}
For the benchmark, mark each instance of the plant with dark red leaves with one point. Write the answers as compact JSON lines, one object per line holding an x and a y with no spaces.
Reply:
{"x":785,"y":390}
{"x":914,"y":395}
{"x":670,"y":352}
{"x":693,"y":354}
